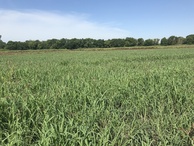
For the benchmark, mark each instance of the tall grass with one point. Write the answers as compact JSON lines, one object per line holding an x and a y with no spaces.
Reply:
{"x":97,"y":98}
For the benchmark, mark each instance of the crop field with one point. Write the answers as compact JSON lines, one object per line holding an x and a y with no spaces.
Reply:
{"x":97,"y":98}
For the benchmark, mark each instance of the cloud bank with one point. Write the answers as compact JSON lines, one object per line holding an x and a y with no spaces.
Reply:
{"x":41,"y":25}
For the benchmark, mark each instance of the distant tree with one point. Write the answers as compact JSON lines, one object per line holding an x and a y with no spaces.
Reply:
{"x":156,"y":41}
{"x":56,"y":45}
{"x":63,"y":43}
{"x":0,"y":37}
{"x":140,"y":42}
{"x":99,"y":43}
{"x":2,"y":44}
{"x":87,"y":43}
{"x":164,"y":41}
{"x":117,"y":43}
{"x":190,"y":39}
{"x":129,"y":41}
{"x":50,"y":44}
{"x":93,"y":43}
{"x":73,"y":43}
{"x":34,"y":45}
{"x":11,"y":45}
{"x":172,"y":40}
{"x":149,"y":42}
{"x":107,"y":43}
{"x":22,"y":46}
{"x":181,"y":40}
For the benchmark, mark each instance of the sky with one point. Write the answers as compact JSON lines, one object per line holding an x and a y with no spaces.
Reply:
{"x":22,"y":20}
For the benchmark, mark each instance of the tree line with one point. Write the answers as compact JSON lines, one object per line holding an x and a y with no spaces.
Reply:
{"x":94,"y":43}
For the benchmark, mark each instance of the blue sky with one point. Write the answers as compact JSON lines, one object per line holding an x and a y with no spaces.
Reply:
{"x":22,"y":20}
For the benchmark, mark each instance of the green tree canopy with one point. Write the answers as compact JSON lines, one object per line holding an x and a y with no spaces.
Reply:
{"x":140,"y":42}
{"x":172,"y":40}
{"x":117,"y":43}
{"x":130,"y":42}
{"x":75,"y":43}
{"x":148,"y":42}
{"x":190,"y":39}
{"x":2,"y":44}
{"x":164,"y":41}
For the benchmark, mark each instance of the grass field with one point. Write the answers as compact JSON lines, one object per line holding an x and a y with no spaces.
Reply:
{"x":97,"y":98}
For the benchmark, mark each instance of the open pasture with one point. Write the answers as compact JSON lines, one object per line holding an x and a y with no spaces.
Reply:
{"x":88,"y":98}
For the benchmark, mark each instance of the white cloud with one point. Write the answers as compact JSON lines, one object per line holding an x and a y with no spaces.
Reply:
{"x":41,"y":25}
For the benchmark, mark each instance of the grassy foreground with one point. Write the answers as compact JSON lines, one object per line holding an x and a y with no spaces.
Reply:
{"x":100,"y":98}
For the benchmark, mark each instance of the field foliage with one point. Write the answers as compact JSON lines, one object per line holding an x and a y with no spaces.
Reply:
{"x":88,"y":98}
